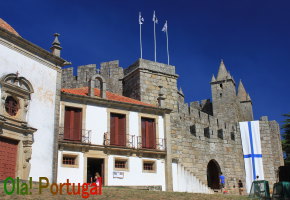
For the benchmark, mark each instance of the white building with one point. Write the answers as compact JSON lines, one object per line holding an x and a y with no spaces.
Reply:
{"x":121,"y":138}
{"x":29,"y":88}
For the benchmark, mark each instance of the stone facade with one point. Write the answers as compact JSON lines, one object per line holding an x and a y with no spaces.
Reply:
{"x":200,"y":131}
{"x":111,"y":71}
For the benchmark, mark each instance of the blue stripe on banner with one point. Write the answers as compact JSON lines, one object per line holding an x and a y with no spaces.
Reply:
{"x":253,"y":155}
{"x":252,"y":150}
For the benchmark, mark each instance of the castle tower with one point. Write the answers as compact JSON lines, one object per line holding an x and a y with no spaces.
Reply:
{"x":113,"y":74}
{"x":145,"y":80}
{"x":245,"y":103}
{"x":224,"y":99}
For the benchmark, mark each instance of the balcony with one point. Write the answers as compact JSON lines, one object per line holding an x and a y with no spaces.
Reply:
{"x":160,"y":144}
{"x":135,"y":142}
{"x":81,"y":136}
{"x":129,"y":142}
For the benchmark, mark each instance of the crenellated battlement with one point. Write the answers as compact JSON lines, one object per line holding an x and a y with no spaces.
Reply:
{"x":111,"y":71}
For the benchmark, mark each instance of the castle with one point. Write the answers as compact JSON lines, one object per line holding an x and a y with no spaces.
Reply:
{"x":205,"y":136}
{"x":122,"y":123}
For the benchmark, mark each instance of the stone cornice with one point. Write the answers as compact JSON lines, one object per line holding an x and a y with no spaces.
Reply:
{"x":32,"y":48}
{"x":114,"y":104}
{"x":16,"y":125}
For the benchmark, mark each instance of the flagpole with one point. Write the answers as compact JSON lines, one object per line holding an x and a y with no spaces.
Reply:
{"x":154,"y":43}
{"x":167,"y":43}
{"x":140,"y":37}
{"x":154,"y":37}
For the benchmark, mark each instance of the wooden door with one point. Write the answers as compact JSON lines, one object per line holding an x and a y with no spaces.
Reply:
{"x":73,"y":124}
{"x":148,"y":133}
{"x":8,"y":157}
{"x":118,"y":129}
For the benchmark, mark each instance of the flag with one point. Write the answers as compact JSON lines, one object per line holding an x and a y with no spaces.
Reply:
{"x":141,"y":19}
{"x":155,"y":20}
{"x":164,"y":29}
{"x":253,"y":159}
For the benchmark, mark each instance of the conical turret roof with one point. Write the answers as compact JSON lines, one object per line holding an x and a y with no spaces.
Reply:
{"x":242,"y":94}
{"x":222,"y":73}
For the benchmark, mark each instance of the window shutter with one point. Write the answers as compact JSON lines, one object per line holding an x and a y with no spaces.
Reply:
{"x":112,"y":130}
{"x":66,"y":131}
{"x":143,"y":124}
{"x":77,"y":131}
{"x":72,"y":124}
{"x":122,"y":130}
{"x":152,"y":134}
{"x":148,"y":133}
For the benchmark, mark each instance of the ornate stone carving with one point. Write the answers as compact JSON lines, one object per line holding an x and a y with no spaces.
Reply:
{"x":27,"y":151}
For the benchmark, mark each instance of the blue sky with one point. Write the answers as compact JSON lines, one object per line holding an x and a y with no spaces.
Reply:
{"x":251,"y":36}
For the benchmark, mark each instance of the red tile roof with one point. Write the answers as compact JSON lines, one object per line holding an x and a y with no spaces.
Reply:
{"x":7,"y":27}
{"x":110,"y":96}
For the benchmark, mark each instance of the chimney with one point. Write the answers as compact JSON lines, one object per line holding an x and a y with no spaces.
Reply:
{"x":55,"y":49}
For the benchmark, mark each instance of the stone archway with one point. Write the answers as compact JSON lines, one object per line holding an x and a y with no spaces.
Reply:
{"x":213,"y":173}
{"x":92,"y":84}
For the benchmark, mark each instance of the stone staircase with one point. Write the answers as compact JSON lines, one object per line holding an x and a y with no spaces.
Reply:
{"x":185,"y":181}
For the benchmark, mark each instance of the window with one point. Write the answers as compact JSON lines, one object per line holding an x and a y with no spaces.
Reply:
{"x":118,"y":129}
{"x":233,"y":136}
{"x":69,"y":160}
{"x":149,"y":166}
{"x":121,"y":164}
{"x":206,"y":132}
{"x":11,"y":106}
{"x":220,"y":134}
{"x":148,"y":133}
{"x":73,"y":124}
{"x":193,"y":130}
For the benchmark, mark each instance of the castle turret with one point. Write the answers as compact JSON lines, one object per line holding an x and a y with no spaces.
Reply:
{"x":245,"y":103}
{"x":143,"y":80}
{"x":224,"y":100}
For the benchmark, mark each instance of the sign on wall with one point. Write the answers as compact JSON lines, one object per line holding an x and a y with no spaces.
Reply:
{"x":118,"y":175}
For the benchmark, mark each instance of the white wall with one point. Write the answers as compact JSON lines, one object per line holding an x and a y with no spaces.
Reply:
{"x":96,"y":121}
{"x":161,"y":127}
{"x":75,"y":175}
{"x":133,"y":123}
{"x":134,"y":176}
{"x":41,"y":109}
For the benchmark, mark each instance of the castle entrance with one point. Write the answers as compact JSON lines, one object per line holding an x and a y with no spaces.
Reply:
{"x":213,"y":173}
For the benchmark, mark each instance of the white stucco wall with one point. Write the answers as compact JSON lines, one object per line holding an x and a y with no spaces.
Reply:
{"x":133,"y":123}
{"x":135,"y":176}
{"x":41,"y":109}
{"x":75,"y":175}
{"x":96,"y":121}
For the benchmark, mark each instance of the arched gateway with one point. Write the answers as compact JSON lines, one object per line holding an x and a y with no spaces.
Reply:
{"x":213,"y":173}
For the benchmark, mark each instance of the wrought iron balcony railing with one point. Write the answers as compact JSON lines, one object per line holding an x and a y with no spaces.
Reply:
{"x":75,"y":135}
{"x":158,"y":143}
{"x":129,"y":141}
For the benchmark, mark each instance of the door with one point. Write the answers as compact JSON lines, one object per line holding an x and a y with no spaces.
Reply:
{"x":148,"y":133}
{"x":213,"y":173}
{"x":8,"y":156}
{"x":118,"y":129}
{"x":95,"y":165}
{"x":73,"y":124}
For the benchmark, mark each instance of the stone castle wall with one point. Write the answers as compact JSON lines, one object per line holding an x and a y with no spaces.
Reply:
{"x":111,"y":71}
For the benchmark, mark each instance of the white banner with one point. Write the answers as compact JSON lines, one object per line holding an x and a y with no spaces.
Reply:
{"x":250,"y":135}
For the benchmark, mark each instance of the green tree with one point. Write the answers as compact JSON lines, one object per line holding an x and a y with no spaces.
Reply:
{"x":286,"y":138}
